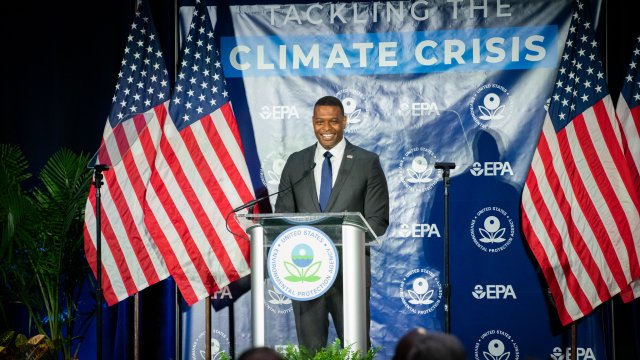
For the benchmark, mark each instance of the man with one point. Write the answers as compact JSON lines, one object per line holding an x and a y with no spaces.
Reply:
{"x":356,"y":184}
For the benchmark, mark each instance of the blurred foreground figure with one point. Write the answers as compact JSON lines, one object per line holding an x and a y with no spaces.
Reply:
{"x":420,"y":344}
{"x":261,"y":353}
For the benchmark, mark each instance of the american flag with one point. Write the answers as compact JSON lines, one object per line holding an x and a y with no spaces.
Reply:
{"x":580,"y":212}
{"x":130,"y":259}
{"x":200,"y":174}
{"x":628,"y":111}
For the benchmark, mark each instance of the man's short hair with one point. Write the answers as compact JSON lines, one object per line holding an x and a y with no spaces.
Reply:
{"x":330,"y":101}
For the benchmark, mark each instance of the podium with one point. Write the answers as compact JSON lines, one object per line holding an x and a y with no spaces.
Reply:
{"x":348,"y":230}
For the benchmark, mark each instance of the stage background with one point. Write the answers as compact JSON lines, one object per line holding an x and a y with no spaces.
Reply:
{"x":483,"y":115}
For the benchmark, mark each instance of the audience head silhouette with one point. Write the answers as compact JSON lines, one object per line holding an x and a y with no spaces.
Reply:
{"x":261,"y":353}
{"x":420,"y":344}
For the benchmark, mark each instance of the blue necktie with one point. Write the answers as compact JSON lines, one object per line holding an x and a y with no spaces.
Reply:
{"x":326,"y":180}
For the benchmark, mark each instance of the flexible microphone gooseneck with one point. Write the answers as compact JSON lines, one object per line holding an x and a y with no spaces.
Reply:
{"x":253,"y":202}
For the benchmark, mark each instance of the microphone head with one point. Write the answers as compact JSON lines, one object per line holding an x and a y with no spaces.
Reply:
{"x":445,"y":165}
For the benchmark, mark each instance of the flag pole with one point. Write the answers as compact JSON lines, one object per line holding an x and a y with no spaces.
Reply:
{"x":97,"y":183}
{"x":574,"y":341}
{"x":178,"y":313}
{"x":136,"y":326}
{"x":207,"y":315}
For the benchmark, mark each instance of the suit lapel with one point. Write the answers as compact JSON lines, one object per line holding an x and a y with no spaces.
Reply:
{"x":309,"y":182}
{"x":343,"y":174}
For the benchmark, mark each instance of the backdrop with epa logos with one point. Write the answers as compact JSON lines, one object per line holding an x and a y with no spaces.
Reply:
{"x":480,"y":107}
{"x":483,"y":115}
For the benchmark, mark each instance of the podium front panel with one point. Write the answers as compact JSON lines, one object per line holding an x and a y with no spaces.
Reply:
{"x":349,"y":231}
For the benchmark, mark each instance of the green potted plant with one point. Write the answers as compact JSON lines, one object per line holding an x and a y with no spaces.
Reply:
{"x":331,"y":352}
{"x":42,"y":262}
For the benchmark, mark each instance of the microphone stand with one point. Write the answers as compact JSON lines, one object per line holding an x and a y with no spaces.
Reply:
{"x":446,"y":167}
{"x":97,"y":183}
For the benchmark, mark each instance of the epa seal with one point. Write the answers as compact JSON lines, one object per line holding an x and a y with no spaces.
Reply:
{"x":219,"y":344}
{"x":492,"y":229}
{"x":272,"y":169}
{"x":489,"y":103}
{"x":417,"y":169}
{"x":496,"y":345}
{"x":421,"y":291}
{"x":354,"y":104}
{"x":275,"y":301}
{"x":303,"y":263}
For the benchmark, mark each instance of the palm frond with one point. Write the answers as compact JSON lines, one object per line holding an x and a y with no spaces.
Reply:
{"x":42,"y":230}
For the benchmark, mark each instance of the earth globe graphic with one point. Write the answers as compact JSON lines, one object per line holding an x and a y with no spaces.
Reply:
{"x":302,"y":255}
{"x":419,"y":164}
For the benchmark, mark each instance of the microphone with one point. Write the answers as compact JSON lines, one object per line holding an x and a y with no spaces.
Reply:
{"x":445,"y":165}
{"x":255,"y":201}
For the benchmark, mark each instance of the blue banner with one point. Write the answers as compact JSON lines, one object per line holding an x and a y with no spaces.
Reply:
{"x":391,"y":53}
{"x":421,"y":82}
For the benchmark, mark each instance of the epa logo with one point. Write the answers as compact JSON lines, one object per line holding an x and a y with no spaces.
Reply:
{"x":419,"y":230}
{"x":419,"y":109}
{"x":581,"y":354}
{"x":421,"y":291}
{"x":491,"y":168}
{"x":493,"y":292}
{"x":417,"y":169}
{"x":272,"y":166}
{"x":489,"y":103}
{"x":355,"y":108}
{"x":276,"y":301}
{"x":492,"y":229}
{"x":303,"y":263}
{"x":279,"y":112}
{"x":220,"y":344}
{"x":496,"y":345}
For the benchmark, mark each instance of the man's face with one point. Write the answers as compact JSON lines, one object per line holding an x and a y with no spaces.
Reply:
{"x":328,"y":125}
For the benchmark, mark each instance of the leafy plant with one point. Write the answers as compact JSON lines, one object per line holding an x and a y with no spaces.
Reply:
{"x":332,"y":352}
{"x":42,"y":239}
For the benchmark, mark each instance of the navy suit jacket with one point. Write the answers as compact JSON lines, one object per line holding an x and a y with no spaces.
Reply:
{"x":360,"y":186}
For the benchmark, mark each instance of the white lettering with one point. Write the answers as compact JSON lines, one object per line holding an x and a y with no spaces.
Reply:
{"x":292,"y":14}
{"x":454,"y":7}
{"x":335,"y":13}
{"x":500,"y":6}
{"x":225,"y":292}
{"x":235,"y":61}
{"x":420,"y":54}
{"x":538,"y":51}
{"x":315,"y":21}
{"x":473,"y":7}
{"x":387,"y":54}
{"x":414,"y":13}
{"x":499,"y":53}
{"x":420,"y":109}
{"x":453,"y":49}
{"x":337,"y":56}
{"x":300,"y":57}
{"x":357,"y":20}
{"x":262,"y":65}
{"x":362,"y":48}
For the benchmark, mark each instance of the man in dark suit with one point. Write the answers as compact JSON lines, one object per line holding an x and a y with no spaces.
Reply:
{"x":357,"y":184}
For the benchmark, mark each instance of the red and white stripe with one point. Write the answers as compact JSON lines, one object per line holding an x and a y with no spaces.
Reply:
{"x":130,"y":259}
{"x":580,"y":216}
{"x":200,"y":176}
{"x":630,"y":125}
